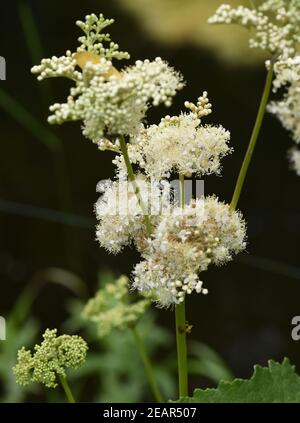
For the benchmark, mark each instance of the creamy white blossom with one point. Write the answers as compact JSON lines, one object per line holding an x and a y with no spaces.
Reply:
{"x":117,"y":105}
{"x":179,"y":144}
{"x":58,"y":66}
{"x":183,"y":244}
{"x":109,"y":102}
{"x":294,"y":158}
{"x":274,"y":25}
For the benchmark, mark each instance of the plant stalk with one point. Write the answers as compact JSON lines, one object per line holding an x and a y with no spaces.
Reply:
{"x":180,"y":321}
{"x":147,"y":365}
{"x":253,"y":139}
{"x":67,"y":389}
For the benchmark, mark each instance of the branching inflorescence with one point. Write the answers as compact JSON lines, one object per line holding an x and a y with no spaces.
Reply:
{"x":175,"y":244}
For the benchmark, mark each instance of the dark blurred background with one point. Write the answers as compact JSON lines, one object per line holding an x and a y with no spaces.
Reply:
{"x":49,"y":176}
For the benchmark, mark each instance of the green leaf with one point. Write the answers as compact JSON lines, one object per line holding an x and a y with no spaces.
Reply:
{"x":277,"y":383}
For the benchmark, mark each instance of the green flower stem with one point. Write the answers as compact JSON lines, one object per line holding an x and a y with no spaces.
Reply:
{"x":66,"y":388}
{"x":131,"y":178}
{"x":253,"y":139}
{"x":148,"y":366}
{"x":181,"y":349}
{"x":180,"y":321}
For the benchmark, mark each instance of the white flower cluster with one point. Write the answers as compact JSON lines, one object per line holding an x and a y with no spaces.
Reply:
{"x":274,"y":25}
{"x":64,"y":66}
{"x":184,"y":243}
{"x":109,"y":102}
{"x":117,"y":105}
{"x":275,"y":28}
{"x":287,"y":109}
{"x":179,"y":144}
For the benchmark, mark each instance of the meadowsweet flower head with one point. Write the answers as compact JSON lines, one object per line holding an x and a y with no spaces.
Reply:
{"x":184,"y":243}
{"x":110,"y":308}
{"x":50,"y":359}
{"x":179,"y":144}
{"x":274,"y":25}
{"x":109,"y":102}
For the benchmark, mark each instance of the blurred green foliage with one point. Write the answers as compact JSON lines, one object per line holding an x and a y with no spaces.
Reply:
{"x":113,"y":371}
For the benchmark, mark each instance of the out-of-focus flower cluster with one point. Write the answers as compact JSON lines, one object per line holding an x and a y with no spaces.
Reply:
{"x":274,"y":27}
{"x":50,"y":359}
{"x":111,"y":307}
{"x":287,"y":109}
